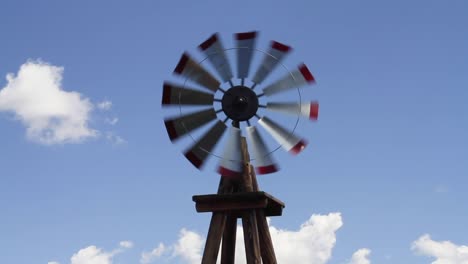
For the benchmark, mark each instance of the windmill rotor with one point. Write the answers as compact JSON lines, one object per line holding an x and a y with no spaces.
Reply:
{"x":220,"y":94}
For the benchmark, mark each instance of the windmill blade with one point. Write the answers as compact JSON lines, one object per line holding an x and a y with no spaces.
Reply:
{"x":231,"y":163}
{"x":180,"y":126}
{"x":309,"y":110}
{"x":198,"y":153}
{"x":193,"y":71}
{"x":214,"y":50}
{"x":275,"y":55}
{"x":177,"y":95}
{"x":295,"y":79}
{"x":245,"y":44}
{"x":264,"y":163}
{"x":287,"y":140}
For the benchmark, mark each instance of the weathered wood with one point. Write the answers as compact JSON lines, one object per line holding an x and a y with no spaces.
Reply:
{"x":232,"y":206}
{"x":228,"y":250}
{"x":251,"y":239}
{"x":213,"y":240}
{"x":266,"y":245}
{"x":246,"y":175}
{"x":239,"y":201}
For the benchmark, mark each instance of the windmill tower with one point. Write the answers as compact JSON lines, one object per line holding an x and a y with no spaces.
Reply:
{"x":229,"y":107}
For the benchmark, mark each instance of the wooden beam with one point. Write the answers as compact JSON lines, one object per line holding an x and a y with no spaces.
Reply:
{"x":251,"y":239}
{"x":228,"y":250}
{"x":266,"y":245}
{"x":213,"y":240}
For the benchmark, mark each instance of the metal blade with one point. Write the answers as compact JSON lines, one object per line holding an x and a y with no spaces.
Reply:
{"x":309,"y":110}
{"x":177,"y":95}
{"x":180,"y":126}
{"x":295,"y":79}
{"x":193,"y":71}
{"x":245,"y":44}
{"x":198,"y":153}
{"x":214,"y":50}
{"x":275,"y":55}
{"x":231,"y":163}
{"x":286,"y":139}
{"x":264,"y":163}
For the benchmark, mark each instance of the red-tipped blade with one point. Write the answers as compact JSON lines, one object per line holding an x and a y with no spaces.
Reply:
{"x":286,"y":139}
{"x":194,"y":72}
{"x":214,"y":50}
{"x":245,"y":44}
{"x":178,"y":95}
{"x":180,"y":126}
{"x":231,"y":164}
{"x":297,"y":78}
{"x":309,"y":110}
{"x":274,"y":56}
{"x":264,"y":163}
{"x":198,"y":153}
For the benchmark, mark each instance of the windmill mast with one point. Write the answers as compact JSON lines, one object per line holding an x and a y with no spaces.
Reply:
{"x":239,"y":198}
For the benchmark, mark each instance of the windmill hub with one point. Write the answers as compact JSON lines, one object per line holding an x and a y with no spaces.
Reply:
{"x":240,"y":103}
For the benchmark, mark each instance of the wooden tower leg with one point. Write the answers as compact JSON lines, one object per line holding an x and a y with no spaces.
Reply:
{"x":213,"y":240}
{"x":251,"y":240}
{"x":228,"y":250}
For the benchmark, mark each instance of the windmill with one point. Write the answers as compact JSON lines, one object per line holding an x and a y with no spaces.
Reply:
{"x":230,"y":106}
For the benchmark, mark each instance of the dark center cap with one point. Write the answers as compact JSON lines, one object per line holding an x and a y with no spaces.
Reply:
{"x":240,"y":103}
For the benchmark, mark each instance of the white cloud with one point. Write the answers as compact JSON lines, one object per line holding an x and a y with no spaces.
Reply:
{"x":126,"y":244}
{"x":95,"y":255}
{"x":148,"y":257}
{"x":444,"y":252}
{"x":312,"y":243}
{"x":189,"y":246}
{"x":104,"y":105}
{"x":92,"y":255}
{"x":114,"y":139}
{"x":361,"y":256}
{"x":51,"y":115}
{"x":112,"y":121}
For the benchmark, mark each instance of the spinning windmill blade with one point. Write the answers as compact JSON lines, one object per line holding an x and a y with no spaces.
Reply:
{"x":231,"y":162}
{"x":309,"y":110}
{"x":287,"y":140}
{"x":239,"y":104}
{"x":177,"y":95}
{"x":193,"y":71}
{"x":180,"y":126}
{"x":198,"y":153}
{"x":274,"y":56}
{"x":245,"y":45}
{"x":292,"y":80}
{"x":264,"y":161}
{"x":214,"y":50}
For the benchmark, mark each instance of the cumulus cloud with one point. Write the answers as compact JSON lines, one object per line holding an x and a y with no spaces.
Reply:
{"x":104,"y":105}
{"x":189,"y":246}
{"x":361,"y":256}
{"x":114,"y":139}
{"x":126,"y":244}
{"x":311,"y":243}
{"x":444,"y":252}
{"x":148,"y":257}
{"x":50,"y":114}
{"x":95,"y":255}
{"x":112,"y":121}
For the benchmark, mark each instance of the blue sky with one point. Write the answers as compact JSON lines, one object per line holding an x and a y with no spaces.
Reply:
{"x":389,"y":151}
